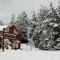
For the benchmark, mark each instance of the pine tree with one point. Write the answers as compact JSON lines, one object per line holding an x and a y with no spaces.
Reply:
{"x":12,"y":19}
{"x":22,"y":23}
{"x":45,"y":32}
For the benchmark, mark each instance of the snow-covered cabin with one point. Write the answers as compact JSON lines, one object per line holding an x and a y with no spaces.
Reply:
{"x":11,"y":32}
{"x":12,"y":29}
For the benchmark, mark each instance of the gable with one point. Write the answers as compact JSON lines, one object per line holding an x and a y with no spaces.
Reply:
{"x":14,"y":30}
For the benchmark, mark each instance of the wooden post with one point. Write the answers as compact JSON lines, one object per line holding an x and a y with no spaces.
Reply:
{"x":3,"y":40}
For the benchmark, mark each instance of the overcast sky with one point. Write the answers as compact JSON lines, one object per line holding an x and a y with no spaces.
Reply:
{"x":7,"y":7}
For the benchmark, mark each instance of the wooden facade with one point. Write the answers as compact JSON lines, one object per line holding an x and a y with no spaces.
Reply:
{"x":13,"y":34}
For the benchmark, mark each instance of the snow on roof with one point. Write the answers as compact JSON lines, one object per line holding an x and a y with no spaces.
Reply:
{"x":1,"y":27}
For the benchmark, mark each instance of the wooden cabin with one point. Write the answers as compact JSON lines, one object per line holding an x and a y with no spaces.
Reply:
{"x":13,"y":30}
{"x":13,"y":34}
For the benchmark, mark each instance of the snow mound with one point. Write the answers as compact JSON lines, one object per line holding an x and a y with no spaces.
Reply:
{"x":29,"y":55}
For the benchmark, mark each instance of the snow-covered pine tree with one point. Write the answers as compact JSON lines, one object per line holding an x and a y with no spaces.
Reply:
{"x":22,"y":24}
{"x":1,"y":23}
{"x":45,"y":34}
{"x":12,"y":20}
{"x":33,"y":23}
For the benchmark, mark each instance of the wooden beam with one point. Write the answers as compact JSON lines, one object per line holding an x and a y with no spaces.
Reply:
{"x":3,"y":40}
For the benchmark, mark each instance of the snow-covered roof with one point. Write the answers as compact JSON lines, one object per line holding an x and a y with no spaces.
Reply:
{"x":1,"y":27}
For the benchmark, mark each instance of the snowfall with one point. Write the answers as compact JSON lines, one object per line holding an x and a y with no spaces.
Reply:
{"x":28,"y":53}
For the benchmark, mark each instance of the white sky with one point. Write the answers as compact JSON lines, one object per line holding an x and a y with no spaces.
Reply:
{"x":7,"y":7}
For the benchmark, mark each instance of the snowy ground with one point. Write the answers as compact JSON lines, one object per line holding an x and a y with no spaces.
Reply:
{"x":29,"y":54}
